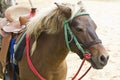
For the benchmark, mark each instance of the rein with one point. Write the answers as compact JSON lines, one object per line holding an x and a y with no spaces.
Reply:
{"x":29,"y":60}
{"x":67,"y":30}
{"x":32,"y":67}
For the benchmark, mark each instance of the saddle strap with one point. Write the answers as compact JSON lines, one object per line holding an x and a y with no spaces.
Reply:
{"x":4,"y":50}
{"x":20,"y":46}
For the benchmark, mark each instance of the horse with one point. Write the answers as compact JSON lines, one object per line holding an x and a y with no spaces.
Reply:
{"x":49,"y":45}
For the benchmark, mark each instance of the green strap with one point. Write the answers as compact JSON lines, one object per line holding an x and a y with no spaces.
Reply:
{"x":80,"y":14}
{"x":17,"y":45}
{"x":66,"y":36}
{"x":68,"y":30}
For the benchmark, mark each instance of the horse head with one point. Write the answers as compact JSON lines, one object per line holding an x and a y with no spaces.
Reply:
{"x":80,"y":31}
{"x":83,"y":28}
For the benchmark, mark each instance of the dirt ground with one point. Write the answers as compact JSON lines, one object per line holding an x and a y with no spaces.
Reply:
{"x":106,"y":14}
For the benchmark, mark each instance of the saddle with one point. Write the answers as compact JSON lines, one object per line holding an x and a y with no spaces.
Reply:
{"x":11,"y":26}
{"x":15,"y":17}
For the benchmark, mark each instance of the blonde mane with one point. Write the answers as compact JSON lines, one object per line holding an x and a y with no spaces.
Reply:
{"x":51,"y":20}
{"x":47,"y":20}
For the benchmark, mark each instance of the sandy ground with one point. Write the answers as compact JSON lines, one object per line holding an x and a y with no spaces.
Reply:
{"x":106,"y":15}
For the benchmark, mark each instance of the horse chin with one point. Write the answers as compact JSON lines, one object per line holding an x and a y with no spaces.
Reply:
{"x":93,"y":62}
{"x":94,"y":65}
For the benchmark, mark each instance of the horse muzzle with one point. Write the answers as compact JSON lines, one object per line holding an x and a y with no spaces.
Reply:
{"x":99,"y":62}
{"x":99,"y":55}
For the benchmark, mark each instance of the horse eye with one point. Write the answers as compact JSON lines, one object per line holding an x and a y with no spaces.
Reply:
{"x":79,"y":30}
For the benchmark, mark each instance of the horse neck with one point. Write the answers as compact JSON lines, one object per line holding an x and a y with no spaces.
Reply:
{"x":52,"y":47}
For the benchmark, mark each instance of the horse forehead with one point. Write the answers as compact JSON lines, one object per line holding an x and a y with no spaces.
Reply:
{"x":86,"y":20}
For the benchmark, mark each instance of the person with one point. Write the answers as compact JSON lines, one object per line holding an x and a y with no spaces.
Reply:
{"x":4,"y":4}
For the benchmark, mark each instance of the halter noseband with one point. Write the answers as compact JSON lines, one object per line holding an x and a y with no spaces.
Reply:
{"x":73,"y":37}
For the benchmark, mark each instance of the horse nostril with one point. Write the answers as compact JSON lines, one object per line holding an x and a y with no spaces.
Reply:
{"x":103,"y":60}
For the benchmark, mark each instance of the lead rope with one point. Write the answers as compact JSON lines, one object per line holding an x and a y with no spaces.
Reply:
{"x":29,"y":60}
{"x":32,"y":14}
{"x":87,"y":56}
{"x":80,"y":69}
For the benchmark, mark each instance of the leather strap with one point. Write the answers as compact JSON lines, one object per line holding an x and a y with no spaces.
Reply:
{"x":4,"y":49}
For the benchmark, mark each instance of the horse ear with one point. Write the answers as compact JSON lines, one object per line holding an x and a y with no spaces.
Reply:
{"x":81,"y":6}
{"x":80,"y":3}
{"x":65,"y":10}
